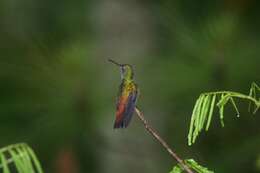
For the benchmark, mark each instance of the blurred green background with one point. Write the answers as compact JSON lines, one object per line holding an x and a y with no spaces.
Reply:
{"x":58,"y":92}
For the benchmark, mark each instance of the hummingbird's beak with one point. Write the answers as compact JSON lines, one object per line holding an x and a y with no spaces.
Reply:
{"x":110,"y":60}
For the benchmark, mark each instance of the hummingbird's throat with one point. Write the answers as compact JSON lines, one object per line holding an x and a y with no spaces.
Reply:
{"x":127,"y":73}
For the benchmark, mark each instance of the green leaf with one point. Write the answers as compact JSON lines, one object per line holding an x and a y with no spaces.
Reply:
{"x":203,"y":110}
{"x":235,"y":106}
{"x":195,"y":166}
{"x":192,"y":164}
{"x":193,"y":117}
{"x":20,"y":166}
{"x":197,"y":120}
{"x":35,"y":160}
{"x":221,"y":111}
{"x":22,"y":157}
{"x":4,"y":164}
{"x":211,"y":111}
{"x":176,"y":169}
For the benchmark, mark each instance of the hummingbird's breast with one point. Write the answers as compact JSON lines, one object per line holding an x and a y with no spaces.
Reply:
{"x":129,"y":87}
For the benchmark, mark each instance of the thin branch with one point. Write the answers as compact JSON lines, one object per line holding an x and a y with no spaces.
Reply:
{"x":161,"y":141}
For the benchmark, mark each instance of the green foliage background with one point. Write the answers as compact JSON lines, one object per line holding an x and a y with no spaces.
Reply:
{"x":57,"y":90}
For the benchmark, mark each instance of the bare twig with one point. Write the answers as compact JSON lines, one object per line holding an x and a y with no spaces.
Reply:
{"x":159,"y":139}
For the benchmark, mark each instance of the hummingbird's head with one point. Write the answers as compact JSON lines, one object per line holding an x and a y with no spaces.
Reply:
{"x":126,"y":70}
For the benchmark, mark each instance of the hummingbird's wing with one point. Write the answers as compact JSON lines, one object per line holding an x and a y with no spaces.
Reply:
{"x":129,"y":109}
{"x":125,"y":108}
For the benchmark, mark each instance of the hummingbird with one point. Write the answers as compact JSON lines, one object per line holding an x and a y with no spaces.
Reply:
{"x":127,"y":96}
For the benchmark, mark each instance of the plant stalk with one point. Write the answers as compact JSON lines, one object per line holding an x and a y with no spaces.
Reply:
{"x":161,"y":141}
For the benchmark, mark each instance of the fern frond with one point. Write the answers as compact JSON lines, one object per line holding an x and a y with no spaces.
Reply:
{"x":20,"y":156}
{"x":203,"y":110}
{"x":193,"y":165}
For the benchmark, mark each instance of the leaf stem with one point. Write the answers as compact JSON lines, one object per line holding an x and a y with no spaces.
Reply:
{"x":161,"y":141}
{"x":235,"y":94}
